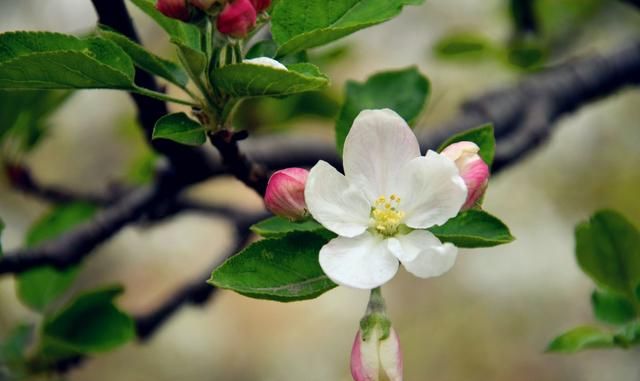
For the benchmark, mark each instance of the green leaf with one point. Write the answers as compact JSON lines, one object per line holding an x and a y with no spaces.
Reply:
{"x":180,"y":128}
{"x":148,"y":61}
{"x":608,"y":250}
{"x":300,"y":25}
{"x":612,"y":308}
{"x":466,"y":46}
{"x":628,"y":335}
{"x":265,"y":48}
{"x":39,"y":287}
{"x":581,"y":338}
{"x":89,"y":324}
{"x":473,"y":228}
{"x":13,"y":347}
{"x":284,"y":269}
{"x":193,"y":59}
{"x":25,"y":114}
{"x":279,"y":226}
{"x":59,"y":220}
{"x":43,"y":60}
{"x":483,"y":136}
{"x":250,"y":80}
{"x":405,"y":91}
{"x":186,"y":34}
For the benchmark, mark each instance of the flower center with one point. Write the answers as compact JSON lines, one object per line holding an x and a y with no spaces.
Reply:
{"x":386,"y":217}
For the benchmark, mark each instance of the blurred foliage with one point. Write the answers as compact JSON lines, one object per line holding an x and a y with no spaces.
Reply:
{"x":608,"y":251}
{"x":25,"y":116}
{"x":39,"y":287}
{"x":405,"y":91}
{"x":540,"y":27}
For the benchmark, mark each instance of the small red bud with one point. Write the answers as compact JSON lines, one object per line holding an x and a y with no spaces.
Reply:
{"x":473,"y":170}
{"x":237,"y":18}
{"x":261,"y":5}
{"x":176,"y":9}
{"x":285,"y":193}
{"x":203,"y":4}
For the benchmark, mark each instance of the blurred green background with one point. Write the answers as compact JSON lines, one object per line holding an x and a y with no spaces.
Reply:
{"x":489,"y":318}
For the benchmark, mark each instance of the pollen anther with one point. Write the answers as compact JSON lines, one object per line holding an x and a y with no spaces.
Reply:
{"x":386,"y":215}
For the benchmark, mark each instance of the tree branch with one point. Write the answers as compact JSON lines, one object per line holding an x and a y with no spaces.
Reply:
{"x":199,"y":291}
{"x":523,"y":116}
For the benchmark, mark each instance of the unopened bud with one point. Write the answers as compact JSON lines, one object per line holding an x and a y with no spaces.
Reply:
{"x":204,"y":4}
{"x":285,"y":193}
{"x":473,"y":170}
{"x":260,"y":5}
{"x":237,"y":18}
{"x":375,"y":358}
{"x":176,"y":9}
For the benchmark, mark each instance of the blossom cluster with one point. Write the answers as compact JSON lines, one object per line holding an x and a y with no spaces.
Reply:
{"x":235,"y":18}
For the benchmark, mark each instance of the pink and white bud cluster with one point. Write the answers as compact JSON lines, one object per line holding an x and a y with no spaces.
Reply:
{"x":238,"y":17}
{"x":284,"y":196}
{"x":376,"y":359}
{"x":473,"y":170}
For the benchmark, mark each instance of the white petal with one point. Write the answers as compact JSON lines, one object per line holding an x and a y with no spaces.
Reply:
{"x":434,"y":257}
{"x":407,"y":247}
{"x":266,"y":61}
{"x":336,"y":204}
{"x":391,"y":356}
{"x":360,"y":262}
{"x":378,"y":145}
{"x":431,"y":191}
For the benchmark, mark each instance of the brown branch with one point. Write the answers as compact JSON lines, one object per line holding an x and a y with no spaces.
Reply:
{"x":198,"y":291}
{"x":237,"y":163}
{"x":515,"y":112}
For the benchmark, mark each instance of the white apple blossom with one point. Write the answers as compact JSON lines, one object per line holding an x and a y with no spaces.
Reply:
{"x":383,"y":203}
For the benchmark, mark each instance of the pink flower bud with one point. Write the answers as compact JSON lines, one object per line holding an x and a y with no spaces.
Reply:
{"x":373,"y":357}
{"x":203,"y":4}
{"x":237,"y":18}
{"x":285,"y":193}
{"x":473,"y":170}
{"x":261,"y":5}
{"x":176,"y":9}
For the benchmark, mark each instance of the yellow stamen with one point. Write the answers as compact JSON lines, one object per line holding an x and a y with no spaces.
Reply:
{"x":386,"y":216}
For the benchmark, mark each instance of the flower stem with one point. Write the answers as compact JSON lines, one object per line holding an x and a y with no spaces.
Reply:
{"x":376,"y":316}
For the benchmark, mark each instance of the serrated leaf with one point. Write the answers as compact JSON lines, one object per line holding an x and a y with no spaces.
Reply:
{"x":612,"y":308}
{"x":608,"y":250}
{"x":39,"y":287}
{"x":483,"y":136}
{"x":148,"y":61}
{"x":90,"y":323}
{"x":581,"y":338}
{"x":279,"y":226}
{"x":251,"y":80}
{"x":179,"y":31}
{"x":265,"y":48}
{"x":284,"y":269}
{"x":405,"y":91}
{"x":473,"y":228}
{"x":193,"y":59}
{"x":180,"y":128}
{"x":300,"y":25}
{"x":43,"y":60}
